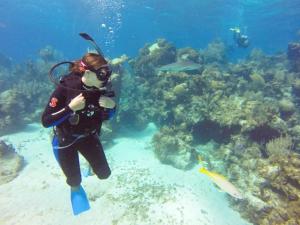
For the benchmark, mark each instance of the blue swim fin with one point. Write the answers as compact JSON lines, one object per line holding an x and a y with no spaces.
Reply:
{"x":79,"y":200}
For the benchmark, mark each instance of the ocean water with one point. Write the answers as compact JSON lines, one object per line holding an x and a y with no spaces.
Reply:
{"x":34,"y":24}
{"x":188,"y":97}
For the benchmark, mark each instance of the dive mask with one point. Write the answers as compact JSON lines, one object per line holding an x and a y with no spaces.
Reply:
{"x":103,"y":73}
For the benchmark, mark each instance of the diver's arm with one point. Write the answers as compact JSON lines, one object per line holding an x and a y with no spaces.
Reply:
{"x":56,"y":110}
{"x":108,"y":107}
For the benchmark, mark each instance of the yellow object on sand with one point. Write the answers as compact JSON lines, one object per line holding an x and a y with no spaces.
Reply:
{"x":222,"y":183}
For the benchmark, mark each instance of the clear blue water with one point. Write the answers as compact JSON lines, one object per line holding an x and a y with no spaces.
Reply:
{"x":27,"y":26}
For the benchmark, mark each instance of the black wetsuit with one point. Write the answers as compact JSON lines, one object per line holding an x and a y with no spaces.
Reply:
{"x":241,"y":40}
{"x":76,"y":132}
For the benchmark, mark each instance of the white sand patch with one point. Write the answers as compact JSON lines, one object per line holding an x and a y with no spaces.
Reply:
{"x":140,"y":191}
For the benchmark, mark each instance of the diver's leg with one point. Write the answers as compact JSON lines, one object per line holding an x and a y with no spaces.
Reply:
{"x":69,"y":162}
{"x":92,"y":150}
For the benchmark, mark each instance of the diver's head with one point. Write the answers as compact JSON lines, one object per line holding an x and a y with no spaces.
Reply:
{"x":93,"y":68}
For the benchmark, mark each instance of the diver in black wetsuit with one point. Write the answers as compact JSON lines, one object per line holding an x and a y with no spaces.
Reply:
{"x":240,"y":39}
{"x":76,"y":110}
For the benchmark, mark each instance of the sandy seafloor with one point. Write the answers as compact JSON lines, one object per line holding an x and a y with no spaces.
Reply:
{"x":140,"y":190}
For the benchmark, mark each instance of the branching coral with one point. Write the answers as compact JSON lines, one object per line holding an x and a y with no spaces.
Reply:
{"x":280,"y":146}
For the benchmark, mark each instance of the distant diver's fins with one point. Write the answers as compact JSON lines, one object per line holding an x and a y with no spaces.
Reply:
{"x":79,"y":200}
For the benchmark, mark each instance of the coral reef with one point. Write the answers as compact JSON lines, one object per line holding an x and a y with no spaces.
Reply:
{"x":294,"y":56}
{"x":296,"y":87}
{"x":49,"y":54}
{"x":215,"y":52}
{"x":110,"y":128}
{"x":10,"y":163}
{"x":24,"y":92}
{"x":118,"y":61}
{"x":11,"y":111}
{"x":151,"y":56}
{"x":188,"y":54}
{"x":248,"y":109}
{"x":171,"y":147}
{"x":270,"y":183}
{"x":286,"y":107}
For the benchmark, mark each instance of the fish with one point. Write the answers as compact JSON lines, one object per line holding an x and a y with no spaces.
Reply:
{"x":222,"y":183}
{"x":180,"y":66}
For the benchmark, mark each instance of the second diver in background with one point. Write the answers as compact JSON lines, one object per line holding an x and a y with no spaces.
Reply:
{"x":241,"y":40}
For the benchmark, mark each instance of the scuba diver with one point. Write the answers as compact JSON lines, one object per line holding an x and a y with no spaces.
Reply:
{"x":76,"y":110}
{"x":241,"y":40}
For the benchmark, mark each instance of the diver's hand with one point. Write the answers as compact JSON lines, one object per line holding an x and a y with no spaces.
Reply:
{"x":77,"y":103}
{"x":106,"y":102}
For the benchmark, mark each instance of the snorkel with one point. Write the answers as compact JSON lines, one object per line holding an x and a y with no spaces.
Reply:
{"x":106,"y":89}
{"x":91,"y":40}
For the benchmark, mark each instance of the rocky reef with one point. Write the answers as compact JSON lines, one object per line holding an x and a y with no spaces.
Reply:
{"x":249,"y":110}
{"x":10,"y":163}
